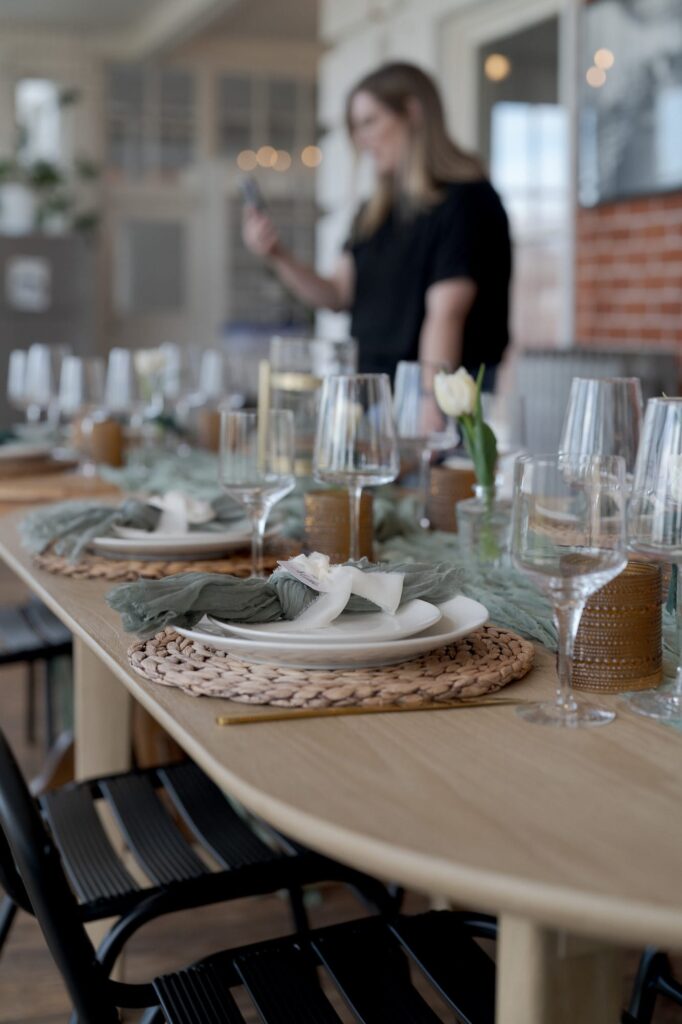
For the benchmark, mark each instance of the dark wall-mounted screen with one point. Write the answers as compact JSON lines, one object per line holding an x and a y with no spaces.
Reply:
{"x":631,"y":99}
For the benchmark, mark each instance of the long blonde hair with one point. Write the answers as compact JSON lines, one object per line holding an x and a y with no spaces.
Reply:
{"x":433,"y":158}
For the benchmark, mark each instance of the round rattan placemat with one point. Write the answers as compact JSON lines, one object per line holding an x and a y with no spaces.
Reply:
{"x":482,"y":662}
{"x":95,"y":567}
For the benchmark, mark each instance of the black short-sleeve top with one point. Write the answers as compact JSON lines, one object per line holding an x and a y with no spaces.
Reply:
{"x":465,"y":235}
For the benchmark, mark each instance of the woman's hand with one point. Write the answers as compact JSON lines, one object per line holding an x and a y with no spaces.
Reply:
{"x":259,"y":233}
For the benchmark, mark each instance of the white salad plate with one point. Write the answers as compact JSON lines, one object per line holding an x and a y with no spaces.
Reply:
{"x":459,"y":616}
{"x":195,"y":542}
{"x":350,"y":627}
{"x":24,"y":450}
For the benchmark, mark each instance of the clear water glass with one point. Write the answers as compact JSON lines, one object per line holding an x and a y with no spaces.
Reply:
{"x":568,"y":537}
{"x":257,"y":466}
{"x":655,"y":527}
{"x":297,"y":368}
{"x":355,"y":442}
{"x":603,"y":417}
{"x":421,"y":425}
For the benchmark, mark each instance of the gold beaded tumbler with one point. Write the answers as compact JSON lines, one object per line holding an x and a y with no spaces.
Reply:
{"x":327,"y":524}
{"x":619,"y":642}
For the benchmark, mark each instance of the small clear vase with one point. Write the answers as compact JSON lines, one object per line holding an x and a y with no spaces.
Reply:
{"x":484,"y":526}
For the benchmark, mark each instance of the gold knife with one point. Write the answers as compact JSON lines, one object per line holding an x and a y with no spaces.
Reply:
{"x":287,"y":713}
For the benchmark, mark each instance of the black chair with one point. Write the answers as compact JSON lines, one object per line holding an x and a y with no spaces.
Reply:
{"x":61,"y":834}
{"x":369,"y":963}
{"x":30,"y":633}
{"x":654,"y":978}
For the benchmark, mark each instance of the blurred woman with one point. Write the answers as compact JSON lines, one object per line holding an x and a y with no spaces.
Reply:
{"x":425,"y":272}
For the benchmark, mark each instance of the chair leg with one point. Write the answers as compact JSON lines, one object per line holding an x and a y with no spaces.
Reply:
{"x":8,"y":911}
{"x":30,"y":719}
{"x":298,"y":911}
{"x":153,"y":1016}
{"x":643,"y":999}
{"x":48,"y":691}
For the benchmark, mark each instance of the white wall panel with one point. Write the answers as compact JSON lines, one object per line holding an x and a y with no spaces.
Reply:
{"x":338,"y":17}
{"x":341,"y":67}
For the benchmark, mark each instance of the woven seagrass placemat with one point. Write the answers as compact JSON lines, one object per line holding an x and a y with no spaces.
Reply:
{"x":480,"y":663}
{"x":96,"y":567}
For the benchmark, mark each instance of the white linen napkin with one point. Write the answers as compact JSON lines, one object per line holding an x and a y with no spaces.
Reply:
{"x":336,"y":583}
{"x":179,"y":511}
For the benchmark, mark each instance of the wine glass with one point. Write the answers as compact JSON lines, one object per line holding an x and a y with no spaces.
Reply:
{"x":655,"y":526}
{"x":355,"y":441}
{"x":568,"y":536}
{"x":421,"y":425}
{"x":39,"y":383}
{"x":80,"y":394}
{"x":603,"y":417}
{"x":16,"y":378}
{"x":257,"y":466}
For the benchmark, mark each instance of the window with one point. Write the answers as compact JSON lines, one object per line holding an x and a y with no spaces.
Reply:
{"x":528,"y":164}
{"x":150,"y":119}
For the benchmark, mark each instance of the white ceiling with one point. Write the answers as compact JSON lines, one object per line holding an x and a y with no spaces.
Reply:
{"x":285,"y":19}
{"x":82,"y":15}
{"x":280,"y":19}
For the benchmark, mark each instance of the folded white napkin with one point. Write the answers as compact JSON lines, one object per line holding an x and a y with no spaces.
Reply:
{"x":336,"y":583}
{"x":179,"y":511}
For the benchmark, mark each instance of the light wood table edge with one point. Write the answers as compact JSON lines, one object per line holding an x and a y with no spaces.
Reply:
{"x":550,"y":906}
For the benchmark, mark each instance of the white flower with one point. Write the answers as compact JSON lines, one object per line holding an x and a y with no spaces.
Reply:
{"x":455,"y":392}
{"x":149,"y":361}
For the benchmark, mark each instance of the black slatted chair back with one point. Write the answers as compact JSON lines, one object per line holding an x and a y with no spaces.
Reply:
{"x":31,"y":868}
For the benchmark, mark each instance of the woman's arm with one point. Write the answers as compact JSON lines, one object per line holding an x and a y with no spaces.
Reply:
{"x":334,"y":292}
{"x":447,"y":305}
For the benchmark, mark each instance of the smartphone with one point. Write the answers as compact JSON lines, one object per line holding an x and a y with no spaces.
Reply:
{"x":251,"y":193}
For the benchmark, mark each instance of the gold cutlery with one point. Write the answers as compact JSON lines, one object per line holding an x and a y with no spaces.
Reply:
{"x":283,"y":714}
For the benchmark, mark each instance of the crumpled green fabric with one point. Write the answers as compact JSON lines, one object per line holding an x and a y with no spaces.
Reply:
{"x":69,"y":526}
{"x":194,"y":472}
{"x":148,"y":605}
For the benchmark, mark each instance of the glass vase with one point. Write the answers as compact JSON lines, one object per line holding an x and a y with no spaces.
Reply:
{"x":484,"y":526}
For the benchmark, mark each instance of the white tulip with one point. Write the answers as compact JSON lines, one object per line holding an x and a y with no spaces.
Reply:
{"x":149,"y":361}
{"x":456,"y":392}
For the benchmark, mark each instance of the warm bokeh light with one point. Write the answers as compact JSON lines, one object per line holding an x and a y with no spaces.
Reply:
{"x":595,"y":77}
{"x":496,"y":67}
{"x":266,"y":156}
{"x":283,"y":161}
{"x":247,"y":160}
{"x":311,"y":156}
{"x":604,"y":59}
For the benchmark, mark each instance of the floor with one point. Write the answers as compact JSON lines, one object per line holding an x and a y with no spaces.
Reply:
{"x":31,"y":991}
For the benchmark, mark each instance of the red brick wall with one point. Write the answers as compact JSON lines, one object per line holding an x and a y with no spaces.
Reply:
{"x":629,"y":272}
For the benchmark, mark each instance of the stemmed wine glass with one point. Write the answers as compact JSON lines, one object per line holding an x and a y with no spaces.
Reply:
{"x":355,"y":442}
{"x":603,"y":417}
{"x":80,"y":395}
{"x":420,"y":423}
{"x":568,"y":536}
{"x":257,"y":466}
{"x":655,"y":526}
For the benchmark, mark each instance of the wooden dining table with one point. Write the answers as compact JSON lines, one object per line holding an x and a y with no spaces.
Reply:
{"x":574,"y":838}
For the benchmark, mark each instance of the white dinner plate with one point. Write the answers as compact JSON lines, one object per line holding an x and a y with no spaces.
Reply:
{"x":180,"y":544}
{"x":460,"y":616}
{"x":413,"y":617}
{"x":24,"y":450}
